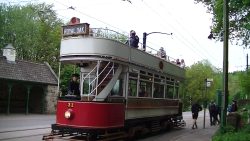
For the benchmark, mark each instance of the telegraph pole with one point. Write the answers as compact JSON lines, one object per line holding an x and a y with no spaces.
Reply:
{"x":225,"y":63}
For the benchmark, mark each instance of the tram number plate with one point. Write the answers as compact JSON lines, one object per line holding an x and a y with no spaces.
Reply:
{"x":70,"y":105}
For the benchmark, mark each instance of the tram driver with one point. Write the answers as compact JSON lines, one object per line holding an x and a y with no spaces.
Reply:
{"x":73,"y":88}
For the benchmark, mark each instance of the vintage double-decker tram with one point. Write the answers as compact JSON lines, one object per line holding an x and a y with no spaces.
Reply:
{"x":124,"y":91}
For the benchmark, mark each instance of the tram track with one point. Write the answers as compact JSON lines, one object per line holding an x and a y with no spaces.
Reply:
{"x":21,"y":134}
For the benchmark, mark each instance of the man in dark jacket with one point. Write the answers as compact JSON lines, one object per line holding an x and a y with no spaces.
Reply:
{"x":234,"y":106}
{"x":73,"y":88}
{"x":133,"y":40}
{"x":195,"y":112}
{"x":213,"y":110}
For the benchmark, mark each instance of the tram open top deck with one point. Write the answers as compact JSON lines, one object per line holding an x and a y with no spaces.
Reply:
{"x":81,"y":44}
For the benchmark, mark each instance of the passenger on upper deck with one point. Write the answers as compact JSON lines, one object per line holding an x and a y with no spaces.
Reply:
{"x":161,"y":53}
{"x":178,"y":62}
{"x":182,"y":63}
{"x":133,"y":40}
{"x":73,"y":88}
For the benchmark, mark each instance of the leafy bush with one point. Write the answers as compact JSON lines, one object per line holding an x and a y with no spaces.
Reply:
{"x":230,"y":134}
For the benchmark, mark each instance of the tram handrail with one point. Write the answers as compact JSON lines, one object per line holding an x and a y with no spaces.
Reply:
{"x":122,"y":38}
{"x":102,"y":80}
{"x":97,"y":76}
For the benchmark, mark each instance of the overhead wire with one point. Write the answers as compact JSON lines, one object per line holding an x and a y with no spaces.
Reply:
{"x":182,"y":39}
{"x":176,"y":35}
{"x":89,"y":16}
{"x":191,"y":35}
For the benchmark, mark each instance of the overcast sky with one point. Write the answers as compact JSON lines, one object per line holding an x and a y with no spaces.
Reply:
{"x":189,"y":22}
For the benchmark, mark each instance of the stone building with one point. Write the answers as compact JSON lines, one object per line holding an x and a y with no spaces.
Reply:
{"x":26,"y":87}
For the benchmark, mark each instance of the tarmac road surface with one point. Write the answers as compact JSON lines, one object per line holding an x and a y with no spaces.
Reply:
{"x":32,"y":127}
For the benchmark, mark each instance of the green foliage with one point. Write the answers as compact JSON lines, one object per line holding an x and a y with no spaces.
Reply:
{"x":195,"y":82}
{"x":34,"y":31}
{"x":245,"y":82}
{"x":234,"y":86}
{"x":239,"y":16}
{"x":230,"y":134}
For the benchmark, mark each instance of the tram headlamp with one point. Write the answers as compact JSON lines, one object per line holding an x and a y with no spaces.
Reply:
{"x":68,"y":114}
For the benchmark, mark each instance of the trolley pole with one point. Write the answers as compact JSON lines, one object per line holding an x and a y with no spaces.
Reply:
{"x":225,"y":64}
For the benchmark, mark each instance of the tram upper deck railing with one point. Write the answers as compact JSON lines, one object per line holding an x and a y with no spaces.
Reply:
{"x":83,"y":29}
{"x":122,"y":38}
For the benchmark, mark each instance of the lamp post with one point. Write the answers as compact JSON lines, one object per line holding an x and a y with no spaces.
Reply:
{"x":145,"y":37}
{"x":208,"y":82}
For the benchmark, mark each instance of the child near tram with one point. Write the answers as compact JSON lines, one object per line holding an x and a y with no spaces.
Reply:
{"x":73,"y":88}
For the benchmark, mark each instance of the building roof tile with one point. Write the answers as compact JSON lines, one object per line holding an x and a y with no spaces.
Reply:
{"x":27,"y":71}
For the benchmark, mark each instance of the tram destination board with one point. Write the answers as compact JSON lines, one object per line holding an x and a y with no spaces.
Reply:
{"x":74,"y":30}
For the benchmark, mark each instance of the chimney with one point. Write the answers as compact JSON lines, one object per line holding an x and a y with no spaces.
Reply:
{"x":10,"y":53}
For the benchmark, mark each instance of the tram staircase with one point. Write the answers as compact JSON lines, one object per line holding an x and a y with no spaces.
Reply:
{"x":107,"y":75}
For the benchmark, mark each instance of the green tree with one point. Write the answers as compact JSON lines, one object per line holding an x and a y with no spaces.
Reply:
{"x":34,"y":31}
{"x":244,"y":83}
{"x":195,"y":81}
{"x":239,"y":16}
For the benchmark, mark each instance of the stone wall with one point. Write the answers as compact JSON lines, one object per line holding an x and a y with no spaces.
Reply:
{"x":50,"y":99}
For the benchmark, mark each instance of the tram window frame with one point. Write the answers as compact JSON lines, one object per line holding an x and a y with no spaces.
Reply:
{"x":160,"y":93}
{"x":85,"y":84}
{"x":176,"y":90}
{"x":131,"y":91}
{"x":133,"y":75}
{"x":168,"y":95}
{"x":145,"y":88}
{"x":146,"y":77}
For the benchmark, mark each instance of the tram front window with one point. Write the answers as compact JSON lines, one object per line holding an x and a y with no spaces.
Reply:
{"x":117,"y":89}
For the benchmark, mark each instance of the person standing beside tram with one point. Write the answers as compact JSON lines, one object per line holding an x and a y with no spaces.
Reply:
{"x":196,"y":108}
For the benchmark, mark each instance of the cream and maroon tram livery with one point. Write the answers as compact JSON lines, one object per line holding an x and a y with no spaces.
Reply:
{"x":122,"y":88}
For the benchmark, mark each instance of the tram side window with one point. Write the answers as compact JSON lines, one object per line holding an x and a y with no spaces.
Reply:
{"x":145,"y":89}
{"x":132,"y":88}
{"x":176,"y":93}
{"x":158,"y":91}
{"x":169,"y":91}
